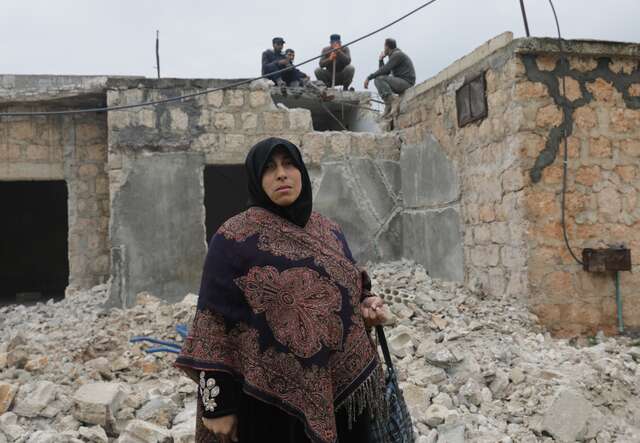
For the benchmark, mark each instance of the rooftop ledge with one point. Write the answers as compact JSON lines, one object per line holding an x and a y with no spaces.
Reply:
{"x":532,"y":45}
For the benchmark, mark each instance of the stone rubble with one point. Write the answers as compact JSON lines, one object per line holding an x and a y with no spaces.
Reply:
{"x":473,"y":369}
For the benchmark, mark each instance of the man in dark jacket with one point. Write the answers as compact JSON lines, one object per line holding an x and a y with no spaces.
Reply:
{"x":293,"y":77}
{"x":393,"y":77}
{"x":274,"y":60}
{"x":341,"y":57}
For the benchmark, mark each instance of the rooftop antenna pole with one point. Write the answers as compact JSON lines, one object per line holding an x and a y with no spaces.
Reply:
{"x":158,"y":52}
{"x":524,"y":17}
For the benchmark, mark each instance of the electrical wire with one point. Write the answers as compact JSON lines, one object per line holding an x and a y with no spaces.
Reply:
{"x":208,"y":91}
{"x":563,"y":221}
{"x":344,"y":128}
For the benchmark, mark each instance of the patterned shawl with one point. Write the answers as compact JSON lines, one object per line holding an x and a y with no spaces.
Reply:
{"x":278,"y":309}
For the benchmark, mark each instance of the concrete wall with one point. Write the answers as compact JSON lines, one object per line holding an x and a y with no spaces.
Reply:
{"x":157,"y":155}
{"x":73,"y":149}
{"x":509,"y":173}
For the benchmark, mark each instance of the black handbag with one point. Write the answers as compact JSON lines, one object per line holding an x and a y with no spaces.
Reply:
{"x":397,"y":428}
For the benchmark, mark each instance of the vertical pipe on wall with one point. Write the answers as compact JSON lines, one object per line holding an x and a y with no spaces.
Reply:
{"x":619,"y":303}
{"x":524,"y":17}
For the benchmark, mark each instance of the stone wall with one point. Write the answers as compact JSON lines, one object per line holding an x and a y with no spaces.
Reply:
{"x":601,"y":114}
{"x":508,"y":169}
{"x":73,"y":149}
{"x":156,"y":159}
{"x":463,"y":186}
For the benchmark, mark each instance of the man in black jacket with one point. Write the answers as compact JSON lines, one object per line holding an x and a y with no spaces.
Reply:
{"x":341,"y":57}
{"x":395,"y":76}
{"x":274,"y":60}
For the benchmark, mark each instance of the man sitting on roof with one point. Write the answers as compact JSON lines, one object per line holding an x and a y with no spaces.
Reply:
{"x":274,"y":60}
{"x":293,"y":77}
{"x":396,"y":76}
{"x":341,"y":58}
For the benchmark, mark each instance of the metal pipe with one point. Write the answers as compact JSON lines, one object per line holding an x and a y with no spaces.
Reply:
{"x":524,"y":17}
{"x":158,"y":52}
{"x":333,"y":75}
{"x":619,"y":303}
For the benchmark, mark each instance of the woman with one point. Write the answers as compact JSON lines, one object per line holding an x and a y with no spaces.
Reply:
{"x":279,"y":345}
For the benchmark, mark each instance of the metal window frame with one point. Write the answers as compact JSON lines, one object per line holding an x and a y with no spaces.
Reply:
{"x":465,"y":100}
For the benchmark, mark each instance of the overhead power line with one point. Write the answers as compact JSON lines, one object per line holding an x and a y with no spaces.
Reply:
{"x":209,"y":91}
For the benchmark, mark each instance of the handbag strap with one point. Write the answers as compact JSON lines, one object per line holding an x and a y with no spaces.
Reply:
{"x":382,"y":340}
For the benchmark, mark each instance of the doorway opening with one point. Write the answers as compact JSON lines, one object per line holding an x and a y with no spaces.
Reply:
{"x":225,"y":194}
{"x":34,"y":257}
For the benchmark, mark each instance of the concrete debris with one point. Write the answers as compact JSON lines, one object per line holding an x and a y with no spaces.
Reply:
{"x":139,"y":431}
{"x":94,"y":434}
{"x":7,"y":394}
{"x":569,"y":417}
{"x":473,"y":369}
{"x":97,"y":403}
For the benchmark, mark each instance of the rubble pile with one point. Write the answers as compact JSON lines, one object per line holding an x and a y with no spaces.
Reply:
{"x":472,"y":368}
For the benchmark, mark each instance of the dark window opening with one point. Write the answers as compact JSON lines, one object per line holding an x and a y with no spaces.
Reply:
{"x":225,"y":194}
{"x":34,"y":263}
{"x":471,"y":101}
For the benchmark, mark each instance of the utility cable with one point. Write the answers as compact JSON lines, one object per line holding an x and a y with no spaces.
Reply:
{"x":344,"y":128}
{"x":563,"y":221}
{"x":208,"y":91}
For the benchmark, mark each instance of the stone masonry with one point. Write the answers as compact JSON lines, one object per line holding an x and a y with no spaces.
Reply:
{"x":72,"y":149}
{"x":163,"y":150}
{"x":509,"y":169}
{"x":479,"y":204}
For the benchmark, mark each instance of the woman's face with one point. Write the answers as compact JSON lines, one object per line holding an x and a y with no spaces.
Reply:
{"x":281,"y":179}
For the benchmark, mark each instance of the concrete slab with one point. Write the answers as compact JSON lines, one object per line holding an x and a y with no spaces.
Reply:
{"x":433,"y":238}
{"x":372,"y":183}
{"x":339,"y":199}
{"x":157,"y":228}
{"x":428,"y":176}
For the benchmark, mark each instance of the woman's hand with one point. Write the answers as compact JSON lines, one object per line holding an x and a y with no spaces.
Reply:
{"x":225,"y":428}
{"x":372,"y":310}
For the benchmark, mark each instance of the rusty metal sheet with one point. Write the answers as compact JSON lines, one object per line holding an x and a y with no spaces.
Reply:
{"x":606,"y":259}
{"x":471,"y":100}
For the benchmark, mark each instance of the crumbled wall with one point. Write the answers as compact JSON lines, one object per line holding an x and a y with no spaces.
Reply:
{"x":355,"y":177}
{"x":509,"y":169}
{"x":471,"y":177}
{"x":73,"y":149}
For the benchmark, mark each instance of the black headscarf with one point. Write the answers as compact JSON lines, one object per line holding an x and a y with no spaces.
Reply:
{"x":300,"y":210}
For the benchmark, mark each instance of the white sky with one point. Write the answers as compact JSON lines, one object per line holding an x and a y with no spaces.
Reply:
{"x":224,"y":39}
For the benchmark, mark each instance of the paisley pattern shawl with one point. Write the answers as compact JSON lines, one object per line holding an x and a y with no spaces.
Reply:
{"x":278,"y":309}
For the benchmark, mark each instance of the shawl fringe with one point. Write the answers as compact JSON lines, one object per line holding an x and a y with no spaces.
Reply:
{"x":370,"y":395}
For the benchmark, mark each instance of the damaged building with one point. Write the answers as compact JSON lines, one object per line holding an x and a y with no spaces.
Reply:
{"x":468,"y":183}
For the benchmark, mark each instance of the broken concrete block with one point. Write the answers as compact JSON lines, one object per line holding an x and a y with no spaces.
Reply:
{"x":94,"y":434}
{"x":51,"y":437}
{"x":34,"y":397}
{"x":499,"y":384}
{"x":9,"y":426}
{"x":401,"y":344}
{"x":470,"y":393}
{"x":138,"y":431}
{"x":435,"y":415}
{"x":451,"y":433}
{"x":184,"y":432}
{"x":431,"y":437}
{"x":567,"y":418}
{"x":158,"y":410}
{"x":7,"y":394}
{"x":96,"y":403}
{"x":17,"y":358}
{"x":442,"y":358}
